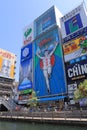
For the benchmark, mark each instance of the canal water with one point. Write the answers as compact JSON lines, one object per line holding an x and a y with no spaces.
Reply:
{"x":7,"y":125}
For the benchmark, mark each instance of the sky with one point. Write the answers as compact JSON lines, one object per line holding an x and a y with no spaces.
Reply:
{"x":16,"y":14}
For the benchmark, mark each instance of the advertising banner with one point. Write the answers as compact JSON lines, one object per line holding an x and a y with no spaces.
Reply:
{"x":45,"y":21}
{"x":75,"y":48}
{"x":25,"y":73}
{"x":48,"y":65}
{"x":26,"y":52}
{"x":71,"y":89}
{"x":76,"y":71}
{"x":74,"y":21}
{"x":7,"y":64}
{"x":28,"y":34}
{"x":75,"y":35}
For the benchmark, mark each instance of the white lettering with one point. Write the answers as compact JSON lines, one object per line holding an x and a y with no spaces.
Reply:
{"x":77,"y":70}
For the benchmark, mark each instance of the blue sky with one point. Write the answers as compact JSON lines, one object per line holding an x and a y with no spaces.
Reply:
{"x":16,"y":14}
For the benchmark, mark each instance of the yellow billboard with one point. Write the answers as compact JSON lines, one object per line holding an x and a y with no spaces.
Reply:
{"x":71,"y":46}
{"x":75,"y":48}
{"x":7,"y":64}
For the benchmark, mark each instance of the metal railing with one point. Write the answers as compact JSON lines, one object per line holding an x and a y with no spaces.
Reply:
{"x":63,"y":114}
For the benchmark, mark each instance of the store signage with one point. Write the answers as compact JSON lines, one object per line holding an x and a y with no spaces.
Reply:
{"x":75,"y":48}
{"x":26,"y":52}
{"x":73,"y":21}
{"x":73,"y":24}
{"x":76,"y":71}
{"x":73,"y":61}
{"x":27,"y":33}
{"x":6,"y":54}
{"x":76,"y":34}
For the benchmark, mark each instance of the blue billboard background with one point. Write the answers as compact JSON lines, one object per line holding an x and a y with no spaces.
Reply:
{"x":25,"y":74}
{"x":26,"y":52}
{"x":73,"y":24}
{"x":57,"y":78}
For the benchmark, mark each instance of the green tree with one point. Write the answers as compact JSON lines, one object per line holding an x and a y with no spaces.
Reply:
{"x":81,"y":91}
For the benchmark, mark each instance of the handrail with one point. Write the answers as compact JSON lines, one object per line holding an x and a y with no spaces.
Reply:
{"x":63,"y":114}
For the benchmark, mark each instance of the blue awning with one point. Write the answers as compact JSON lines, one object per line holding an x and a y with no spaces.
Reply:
{"x":52,"y":98}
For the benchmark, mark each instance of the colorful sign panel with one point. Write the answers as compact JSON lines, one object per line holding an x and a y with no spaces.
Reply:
{"x":73,"y":24}
{"x":76,"y":71}
{"x":75,"y":35}
{"x":28,"y":34}
{"x":74,"y":21}
{"x":75,"y":48}
{"x":48,"y":65}
{"x":25,"y":74}
{"x":7,"y":64}
{"x":45,"y":21}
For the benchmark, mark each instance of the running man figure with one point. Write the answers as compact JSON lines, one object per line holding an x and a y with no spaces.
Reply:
{"x":46,"y":63}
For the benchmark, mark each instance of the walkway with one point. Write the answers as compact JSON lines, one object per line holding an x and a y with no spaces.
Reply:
{"x":47,"y":117}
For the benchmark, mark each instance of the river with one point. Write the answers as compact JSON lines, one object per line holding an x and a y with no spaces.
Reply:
{"x":7,"y":125}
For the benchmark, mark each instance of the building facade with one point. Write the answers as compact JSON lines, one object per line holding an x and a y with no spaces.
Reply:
{"x":7,"y":71}
{"x":74,"y":36}
{"x":41,"y":65}
{"x":53,"y":61}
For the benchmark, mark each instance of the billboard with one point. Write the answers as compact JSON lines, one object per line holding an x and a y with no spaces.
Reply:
{"x":45,"y":21}
{"x":49,"y":78}
{"x":26,"y":52}
{"x":75,"y":48}
{"x":76,"y":71}
{"x":76,"y":74}
{"x":28,"y":34}
{"x":7,"y":64}
{"x":75,"y":35}
{"x":74,"y":21}
{"x":73,"y":24}
{"x":25,"y":73}
{"x":71,"y":89}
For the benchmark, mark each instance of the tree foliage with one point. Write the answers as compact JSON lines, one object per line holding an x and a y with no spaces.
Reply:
{"x":81,"y":91}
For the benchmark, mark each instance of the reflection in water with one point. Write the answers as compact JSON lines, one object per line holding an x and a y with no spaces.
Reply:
{"x":32,"y":126}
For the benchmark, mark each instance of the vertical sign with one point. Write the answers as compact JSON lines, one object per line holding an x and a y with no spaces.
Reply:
{"x":25,"y":74}
{"x":28,"y":34}
{"x":49,"y":74}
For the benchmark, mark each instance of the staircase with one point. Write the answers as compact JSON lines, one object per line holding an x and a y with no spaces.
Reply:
{"x":9,"y":104}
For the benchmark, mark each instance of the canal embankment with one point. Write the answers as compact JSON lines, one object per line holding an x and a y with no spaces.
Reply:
{"x":75,"y":117}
